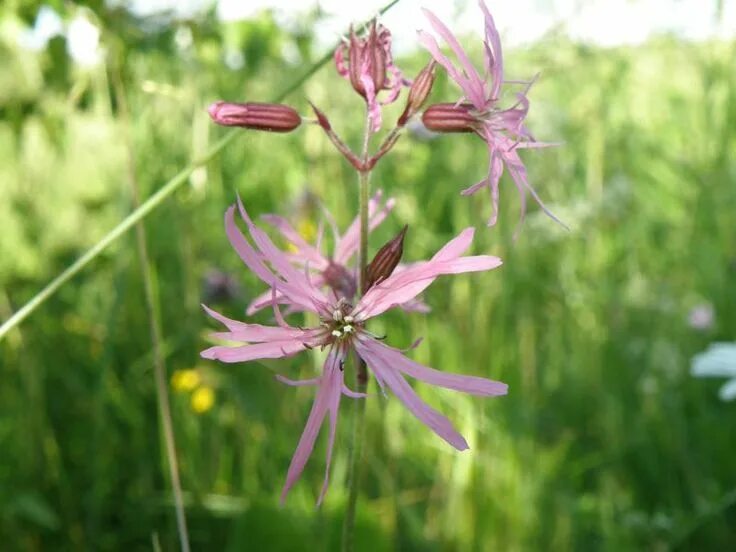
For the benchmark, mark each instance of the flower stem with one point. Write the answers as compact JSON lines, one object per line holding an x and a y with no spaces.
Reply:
{"x":159,"y":364}
{"x":361,"y":371}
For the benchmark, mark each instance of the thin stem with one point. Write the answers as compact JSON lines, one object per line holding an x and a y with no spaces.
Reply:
{"x":153,"y":318}
{"x":361,"y":371}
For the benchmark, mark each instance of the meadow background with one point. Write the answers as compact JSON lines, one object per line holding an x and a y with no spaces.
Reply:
{"x":605,"y":441}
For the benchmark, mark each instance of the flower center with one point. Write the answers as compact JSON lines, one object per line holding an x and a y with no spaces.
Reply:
{"x":341,"y":325}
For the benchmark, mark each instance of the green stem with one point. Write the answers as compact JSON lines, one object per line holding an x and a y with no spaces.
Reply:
{"x":361,"y":371}
{"x":159,"y":365}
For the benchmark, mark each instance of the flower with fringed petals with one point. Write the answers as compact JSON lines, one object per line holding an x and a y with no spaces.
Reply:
{"x":334,"y":272}
{"x":342,"y":330}
{"x":478,"y":111}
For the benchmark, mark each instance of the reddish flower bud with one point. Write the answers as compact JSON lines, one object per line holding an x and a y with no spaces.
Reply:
{"x":448,"y":117}
{"x":418,"y":93}
{"x":386,"y":260}
{"x":340,"y":280}
{"x":369,"y":57}
{"x":321,"y":118}
{"x":258,"y":116}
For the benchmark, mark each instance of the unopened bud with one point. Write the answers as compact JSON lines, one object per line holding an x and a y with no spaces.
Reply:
{"x":448,"y":117}
{"x":386,"y":260}
{"x":321,"y":118}
{"x":340,"y":281}
{"x":255,"y":115}
{"x":418,"y":93}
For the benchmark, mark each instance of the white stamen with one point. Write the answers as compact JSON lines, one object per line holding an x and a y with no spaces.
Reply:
{"x":337,"y":315}
{"x":348,"y":329}
{"x":337,"y":333}
{"x":349,"y":319}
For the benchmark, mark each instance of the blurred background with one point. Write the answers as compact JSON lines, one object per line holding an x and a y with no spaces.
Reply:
{"x":605,"y":441}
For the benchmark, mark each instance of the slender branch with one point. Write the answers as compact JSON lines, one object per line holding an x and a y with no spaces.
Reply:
{"x":153,"y":318}
{"x":385,"y":147}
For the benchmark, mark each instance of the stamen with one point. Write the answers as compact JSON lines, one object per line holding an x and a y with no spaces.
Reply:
{"x":348,"y":329}
{"x":336,"y":333}
{"x":349,"y":319}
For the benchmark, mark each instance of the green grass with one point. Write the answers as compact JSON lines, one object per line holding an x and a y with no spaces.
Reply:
{"x":604,"y":442}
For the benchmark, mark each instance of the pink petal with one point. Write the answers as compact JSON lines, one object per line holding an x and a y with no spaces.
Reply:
{"x":298,"y":383}
{"x":241,"y":331}
{"x":273,"y":349}
{"x":366,"y":348}
{"x":456,"y":246}
{"x":348,"y":245}
{"x":306,"y":251}
{"x":517,"y":170}
{"x":327,"y":399}
{"x":467,"y":384}
{"x":374,"y":109}
{"x":352,"y":394}
{"x":494,"y":54}
{"x":407,"y":284}
{"x":265,"y":299}
{"x":309,"y":299}
{"x":471,"y":83}
{"x":295,"y":284}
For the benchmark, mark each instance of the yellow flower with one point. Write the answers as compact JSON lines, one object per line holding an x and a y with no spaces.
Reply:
{"x":202,"y":399}
{"x":307,"y":230}
{"x":185,"y":380}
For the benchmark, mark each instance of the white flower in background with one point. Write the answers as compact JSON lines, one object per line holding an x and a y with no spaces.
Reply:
{"x":718,"y":361}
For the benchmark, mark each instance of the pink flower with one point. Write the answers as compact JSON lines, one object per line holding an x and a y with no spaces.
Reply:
{"x":332,"y":272}
{"x":342,"y":329}
{"x":478,"y":111}
{"x":368,"y":64}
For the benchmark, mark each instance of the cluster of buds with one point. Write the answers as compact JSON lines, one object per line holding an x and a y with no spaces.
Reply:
{"x":369,"y":65}
{"x":367,"y":62}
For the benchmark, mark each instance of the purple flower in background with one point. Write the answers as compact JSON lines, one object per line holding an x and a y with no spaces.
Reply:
{"x":333,"y":272}
{"x":478,"y":111}
{"x":701,"y":317}
{"x":342,"y":329}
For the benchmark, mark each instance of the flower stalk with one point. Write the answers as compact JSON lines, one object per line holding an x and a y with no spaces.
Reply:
{"x":361,"y":370}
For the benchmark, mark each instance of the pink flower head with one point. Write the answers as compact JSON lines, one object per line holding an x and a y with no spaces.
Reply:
{"x":342,"y":329}
{"x":334,"y":273}
{"x":370,"y":68}
{"x":478,"y":111}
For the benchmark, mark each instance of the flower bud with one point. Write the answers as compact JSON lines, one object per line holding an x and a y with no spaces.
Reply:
{"x":386,"y":260}
{"x":367,"y":57}
{"x":340,"y":280}
{"x":255,"y":115}
{"x":448,"y":117}
{"x":418,"y":93}
{"x":322,"y":119}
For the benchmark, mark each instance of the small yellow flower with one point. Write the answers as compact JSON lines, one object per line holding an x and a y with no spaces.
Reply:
{"x":202,"y":399}
{"x":185,"y":380}
{"x":307,"y":230}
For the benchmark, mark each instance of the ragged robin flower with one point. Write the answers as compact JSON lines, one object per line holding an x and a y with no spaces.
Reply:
{"x":342,"y":329}
{"x":479,"y":111}
{"x":334,"y":273}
